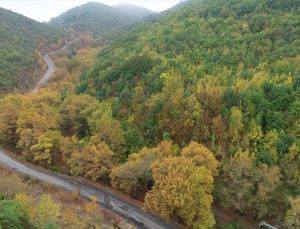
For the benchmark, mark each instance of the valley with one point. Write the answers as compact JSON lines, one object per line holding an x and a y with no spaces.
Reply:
{"x":188,"y":118}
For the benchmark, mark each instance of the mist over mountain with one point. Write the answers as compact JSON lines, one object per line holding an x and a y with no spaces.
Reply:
{"x":134,"y":11}
{"x":93,"y":17}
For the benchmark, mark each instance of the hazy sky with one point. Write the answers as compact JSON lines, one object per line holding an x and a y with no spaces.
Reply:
{"x":44,"y":10}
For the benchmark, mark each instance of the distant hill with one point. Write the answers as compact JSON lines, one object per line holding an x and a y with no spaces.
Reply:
{"x":134,"y":11}
{"x":92,"y":17}
{"x":20,"y":38}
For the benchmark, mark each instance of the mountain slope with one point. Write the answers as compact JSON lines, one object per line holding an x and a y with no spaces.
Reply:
{"x":20,"y":40}
{"x":223,"y":73}
{"x":203,"y":38}
{"x":134,"y":11}
{"x":92,"y":17}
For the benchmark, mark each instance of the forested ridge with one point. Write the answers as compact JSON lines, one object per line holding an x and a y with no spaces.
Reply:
{"x":198,"y":105}
{"x":97,"y":18}
{"x":22,"y":41}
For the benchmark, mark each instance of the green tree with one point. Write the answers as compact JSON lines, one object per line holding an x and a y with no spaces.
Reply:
{"x":14,"y":216}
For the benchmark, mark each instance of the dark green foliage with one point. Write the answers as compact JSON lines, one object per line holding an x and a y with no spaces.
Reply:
{"x":13,"y":215}
{"x":233,"y":225}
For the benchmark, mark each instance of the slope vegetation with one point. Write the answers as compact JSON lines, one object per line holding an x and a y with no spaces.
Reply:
{"x":196,"y":106}
{"x":222,"y":73}
{"x":21,"y":40}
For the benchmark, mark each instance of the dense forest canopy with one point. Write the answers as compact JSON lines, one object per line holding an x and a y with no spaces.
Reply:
{"x":222,"y":73}
{"x":21,"y":40}
{"x":198,"y":105}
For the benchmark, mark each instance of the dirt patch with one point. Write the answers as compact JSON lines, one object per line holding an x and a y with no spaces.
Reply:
{"x":225,"y":217}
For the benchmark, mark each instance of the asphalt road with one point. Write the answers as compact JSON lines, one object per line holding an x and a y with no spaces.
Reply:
{"x":107,"y":200}
{"x":51,"y":65}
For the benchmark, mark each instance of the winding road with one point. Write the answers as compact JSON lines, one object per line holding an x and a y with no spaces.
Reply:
{"x":107,"y":199}
{"x":51,"y":65}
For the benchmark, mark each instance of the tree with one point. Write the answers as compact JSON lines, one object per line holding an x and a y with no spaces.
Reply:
{"x":201,"y":156}
{"x":236,"y":183}
{"x":94,"y":161}
{"x":181,"y":190}
{"x":14,"y":216}
{"x":74,"y":114}
{"x":47,"y":210}
{"x":291,"y":165}
{"x":106,"y":128}
{"x":70,"y":220}
{"x":37,"y":126}
{"x":236,"y":126}
{"x":266,"y":150}
{"x":11,"y":185}
{"x":135,"y":175}
{"x":267,"y":182}
{"x":292,"y":217}
{"x":9,"y":114}
{"x":27,"y":203}
{"x":45,"y":148}
{"x":93,"y":209}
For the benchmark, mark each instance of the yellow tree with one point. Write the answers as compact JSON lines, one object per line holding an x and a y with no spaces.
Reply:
{"x":182,"y":190}
{"x":47,"y":210}
{"x":10,"y":107}
{"x":201,"y":156}
{"x":47,"y":144}
{"x":236,"y":126}
{"x":94,"y":161}
{"x":106,"y":128}
{"x":11,"y":185}
{"x":37,"y":126}
{"x":27,"y":203}
{"x":292,"y":217}
{"x":95,"y":212}
{"x":135,"y":175}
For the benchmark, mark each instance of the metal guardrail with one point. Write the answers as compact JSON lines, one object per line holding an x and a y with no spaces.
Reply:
{"x":264,"y":225}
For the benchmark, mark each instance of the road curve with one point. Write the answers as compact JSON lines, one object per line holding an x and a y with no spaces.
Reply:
{"x":51,"y":65}
{"x":106,"y":199}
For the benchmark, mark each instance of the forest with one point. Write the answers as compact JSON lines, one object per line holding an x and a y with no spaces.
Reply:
{"x":98,"y":18}
{"x":196,"y":107}
{"x":22,"y":43}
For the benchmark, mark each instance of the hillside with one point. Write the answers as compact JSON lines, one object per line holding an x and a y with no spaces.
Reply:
{"x":20,"y":40}
{"x":134,"y":11}
{"x":195,"y":112}
{"x":93,"y":17}
{"x":222,"y":73}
